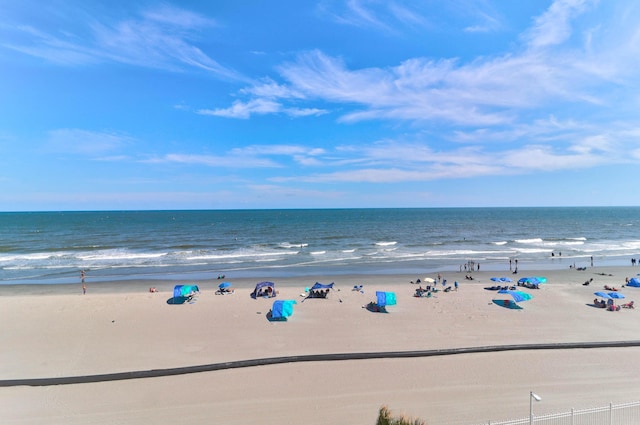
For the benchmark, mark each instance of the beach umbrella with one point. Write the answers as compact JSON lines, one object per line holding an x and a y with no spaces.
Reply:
{"x":514,"y":297}
{"x":518,"y":296}
{"x":616,"y":295}
{"x":495,"y":279}
{"x":532,"y":280}
{"x":429,"y":280}
{"x":603,"y":295}
{"x":224,"y":285}
{"x":505,"y":279}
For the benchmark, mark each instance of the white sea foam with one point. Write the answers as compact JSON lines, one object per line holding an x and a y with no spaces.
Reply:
{"x":386,"y":243}
{"x":288,"y":245}
{"x":119,"y":255}
{"x":242,"y":255}
{"x":531,"y":250}
{"x":529,"y":241}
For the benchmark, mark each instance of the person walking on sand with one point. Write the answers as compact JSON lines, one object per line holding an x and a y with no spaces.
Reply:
{"x":84,"y":289}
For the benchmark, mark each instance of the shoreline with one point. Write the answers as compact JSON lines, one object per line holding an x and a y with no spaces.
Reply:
{"x":135,"y":285}
{"x":56,"y":332}
{"x":335,"y":271}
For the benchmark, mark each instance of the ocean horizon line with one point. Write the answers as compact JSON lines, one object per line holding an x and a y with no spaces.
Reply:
{"x":317,"y":209}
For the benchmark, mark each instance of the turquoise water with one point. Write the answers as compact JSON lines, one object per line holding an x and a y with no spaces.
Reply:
{"x":52,"y":247}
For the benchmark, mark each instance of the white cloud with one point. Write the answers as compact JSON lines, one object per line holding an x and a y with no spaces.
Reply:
{"x":497,"y":93}
{"x":84,"y":142}
{"x":159,"y":38}
{"x":226,"y":161}
{"x":244,"y":110}
{"x":254,"y":156}
{"x":305,"y":112}
{"x":554,"y":26}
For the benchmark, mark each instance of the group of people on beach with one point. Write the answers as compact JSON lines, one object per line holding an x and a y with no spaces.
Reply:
{"x":609,"y":304}
{"x":429,"y":289}
{"x":470,"y":266}
{"x":320,"y":293}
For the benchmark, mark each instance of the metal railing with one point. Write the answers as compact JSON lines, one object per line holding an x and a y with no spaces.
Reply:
{"x":613,"y":414}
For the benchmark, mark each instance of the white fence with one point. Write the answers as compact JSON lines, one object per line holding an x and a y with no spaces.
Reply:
{"x":613,"y":414}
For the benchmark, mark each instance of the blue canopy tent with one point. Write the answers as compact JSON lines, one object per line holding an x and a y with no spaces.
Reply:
{"x":281,"y":310}
{"x":320,"y":290}
{"x":182,"y":293}
{"x":264,"y":289}
{"x":383,"y":299}
{"x":319,"y":285}
{"x":634,"y":282}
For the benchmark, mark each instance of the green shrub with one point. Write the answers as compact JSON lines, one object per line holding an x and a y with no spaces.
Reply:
{"x":385,"y":418}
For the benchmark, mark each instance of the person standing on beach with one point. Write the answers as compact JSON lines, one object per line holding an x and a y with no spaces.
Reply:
{"x":84,"y":289}
{"x":82,"y":275}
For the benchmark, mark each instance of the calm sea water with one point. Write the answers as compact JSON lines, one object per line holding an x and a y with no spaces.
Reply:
{"x":52,"y":247}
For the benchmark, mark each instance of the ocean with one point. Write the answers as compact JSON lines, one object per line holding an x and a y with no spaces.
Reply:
{"x":53,"y":247}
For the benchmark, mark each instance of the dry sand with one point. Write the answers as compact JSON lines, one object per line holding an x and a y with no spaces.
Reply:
{"x":55,"y":331}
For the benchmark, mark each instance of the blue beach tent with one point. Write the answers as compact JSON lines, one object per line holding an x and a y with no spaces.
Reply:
{"x":184,"y":291}
{"x":264,"y":289}
{"x":634,"y":282}
{"x":281,"y":310}
{"x":385,"y":298}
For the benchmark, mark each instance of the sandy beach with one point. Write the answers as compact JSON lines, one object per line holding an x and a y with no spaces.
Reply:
{"x":56,"y":331}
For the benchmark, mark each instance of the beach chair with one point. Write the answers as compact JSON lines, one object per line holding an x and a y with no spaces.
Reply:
{"x":628,"y":305}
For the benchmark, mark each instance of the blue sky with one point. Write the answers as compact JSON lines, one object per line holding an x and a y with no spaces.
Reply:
{"x":312,"y":104}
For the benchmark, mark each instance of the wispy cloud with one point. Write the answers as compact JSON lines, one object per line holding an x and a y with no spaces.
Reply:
{"x":254,"y":156}
{"x":244,"y":110}
{"x":84,"y":142}
{"x":420,"y":163}
{"x":554,"y":26}
{"x":160,"y":38}
{"x":226,"y":161}
{"x":262,"y":106}
{"x":396,"y":18}
{"x":487,"y":91}
{"x":353,"y":12}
